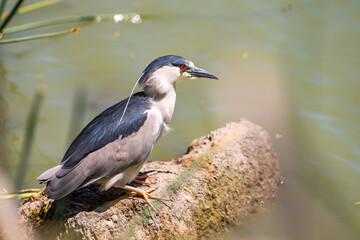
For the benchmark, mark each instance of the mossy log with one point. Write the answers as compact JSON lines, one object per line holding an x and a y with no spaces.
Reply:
{"x":223,"y":178}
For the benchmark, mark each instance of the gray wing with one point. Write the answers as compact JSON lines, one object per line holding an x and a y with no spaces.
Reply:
{"x":104,"y":147}
{"x":106,"y":128}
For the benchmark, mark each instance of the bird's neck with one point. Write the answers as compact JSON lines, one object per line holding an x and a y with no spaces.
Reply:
{"x":165,"y":103}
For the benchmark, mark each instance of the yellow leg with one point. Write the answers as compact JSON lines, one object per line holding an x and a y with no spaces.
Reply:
{"x":147,"y":191}
{"x":140,"y":182}
{"x":144,"y":194}
{"x":139,"y":178}
{"x":145,"y":175}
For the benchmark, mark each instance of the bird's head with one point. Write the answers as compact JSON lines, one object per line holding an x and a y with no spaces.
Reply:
{"x":160,"y":76}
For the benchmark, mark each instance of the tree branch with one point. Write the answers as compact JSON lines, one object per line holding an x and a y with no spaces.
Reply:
{"x":224,"y":178}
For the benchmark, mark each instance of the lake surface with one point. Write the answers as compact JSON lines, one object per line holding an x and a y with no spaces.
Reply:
{"x":290,"y":66}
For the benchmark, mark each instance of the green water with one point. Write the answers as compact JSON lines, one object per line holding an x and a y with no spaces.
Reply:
{"x":290,"y":66}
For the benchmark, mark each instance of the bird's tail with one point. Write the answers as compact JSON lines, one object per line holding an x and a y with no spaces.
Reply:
{"x":48,"y":174}
{"x":59,"y":187}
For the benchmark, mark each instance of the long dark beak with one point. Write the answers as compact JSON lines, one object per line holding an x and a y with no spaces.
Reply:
{"x":201,"y":73}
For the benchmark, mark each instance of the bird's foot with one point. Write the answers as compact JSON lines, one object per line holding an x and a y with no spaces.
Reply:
{"x":138,"y":179}
{"x":147,"y":191}
{"x":140,"y":182}
{"x":144,"y":194}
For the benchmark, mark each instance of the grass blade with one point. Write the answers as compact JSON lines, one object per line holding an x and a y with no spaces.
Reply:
{"x":48,"y":22}
{"x":40,"y":36}
{"x":12,"y":12}
{"x":129,"y":17}
{"x":37,"y":5}
{"x":28,"y":8}
{"x":2,"y":7}
{"x":29,"y":136}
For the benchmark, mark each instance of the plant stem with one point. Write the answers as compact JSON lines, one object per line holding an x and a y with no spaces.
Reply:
{"x":39,"y":36}
{"x":12,"y":12}
{"x":29,"y":136}
{"x":90,"y":18}
{"x":2,"y":7}
{"x":37,"y":5}
{"x":48,"y":22}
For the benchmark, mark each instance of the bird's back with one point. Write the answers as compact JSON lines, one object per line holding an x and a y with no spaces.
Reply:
{"x":105,"y":146}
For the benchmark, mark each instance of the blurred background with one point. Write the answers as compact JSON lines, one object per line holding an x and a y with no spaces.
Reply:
{"x":290,"y":66}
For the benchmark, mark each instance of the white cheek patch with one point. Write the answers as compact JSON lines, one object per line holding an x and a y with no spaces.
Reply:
{"x":186,"y":76}
{"x":166,"y":72}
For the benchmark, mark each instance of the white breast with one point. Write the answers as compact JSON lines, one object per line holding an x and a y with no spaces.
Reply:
{"x":156,"y":125}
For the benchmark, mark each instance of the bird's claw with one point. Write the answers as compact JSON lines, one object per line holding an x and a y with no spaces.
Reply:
{"x":144,"y":194}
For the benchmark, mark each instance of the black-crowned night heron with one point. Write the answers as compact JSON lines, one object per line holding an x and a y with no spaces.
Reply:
{"x":113,"y":147}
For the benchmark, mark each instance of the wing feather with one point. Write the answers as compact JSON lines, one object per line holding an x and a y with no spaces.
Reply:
{"x":106,"y":128}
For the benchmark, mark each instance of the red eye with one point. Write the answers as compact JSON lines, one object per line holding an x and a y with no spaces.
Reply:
{"x":182,"y":67}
